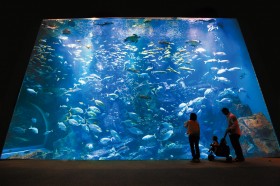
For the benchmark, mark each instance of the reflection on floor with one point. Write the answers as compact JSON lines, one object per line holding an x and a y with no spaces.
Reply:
{"x":254,"y":171}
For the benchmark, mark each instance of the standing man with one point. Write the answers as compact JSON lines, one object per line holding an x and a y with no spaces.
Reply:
{"x":234,"y":134}
{"x":193,"y":131}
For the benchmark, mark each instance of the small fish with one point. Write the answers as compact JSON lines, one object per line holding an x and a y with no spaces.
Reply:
{"x":149,"y":68}
{"x":31,"y":91}
{"x":112,"y":96}
{"x":33,"y":129}
{"x":172,"y":70}
{"x":193,"y":42}
{"x":165,"y":42}
{"x":211,"y":61}
{"x":145,"y":97}
{"x":76,"y":110}
{"x":105,"y":23}
{"x":66,"y":31}
{"x":61,"y":126}
{"x":158,"y":72}
{"x":89,"y":146}
{"x":132,"y":70}
{"x":99,"y":103}
{"x":222,"y":70}
{"x":48,"y":132}
{"x":95,"y":128}
{"x":219,"y":53}
{"x":73,"y":122}
{"x":223,"y":61}
{"x":149,"y":137}
{"x":186,"y":68}
{"x":34,"y":120}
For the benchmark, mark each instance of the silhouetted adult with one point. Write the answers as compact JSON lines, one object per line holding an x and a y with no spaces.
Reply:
{"x":193,"y":132}
{"x":234,"y":132}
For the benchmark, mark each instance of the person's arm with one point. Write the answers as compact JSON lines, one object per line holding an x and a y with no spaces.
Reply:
{"x":186,"y":124}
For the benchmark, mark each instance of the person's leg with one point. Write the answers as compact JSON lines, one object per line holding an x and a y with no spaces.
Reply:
{"x":234,"y":138}
{"x":233,"y":143}
{"x":196,"y":144}
{"x":239,"y":152}
{"x":191,"y":141}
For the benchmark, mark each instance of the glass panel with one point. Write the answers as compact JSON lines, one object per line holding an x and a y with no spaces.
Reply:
{"x":122,"y":88}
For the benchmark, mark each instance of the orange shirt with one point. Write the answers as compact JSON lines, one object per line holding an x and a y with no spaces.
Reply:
{"x":192,"y":127}
{"x":233,"y":124}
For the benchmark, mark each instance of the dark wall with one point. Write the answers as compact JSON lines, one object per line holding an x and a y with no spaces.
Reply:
{"x":20,"y":24}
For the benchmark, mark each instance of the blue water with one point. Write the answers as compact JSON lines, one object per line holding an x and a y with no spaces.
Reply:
{"x":121,"y":88}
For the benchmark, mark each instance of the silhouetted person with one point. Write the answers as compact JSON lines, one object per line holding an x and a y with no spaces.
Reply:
{"x":214,"y":145}
{"x":234,"y":133}
{"x":193,"y":132}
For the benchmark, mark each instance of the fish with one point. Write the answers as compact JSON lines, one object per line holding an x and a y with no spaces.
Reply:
{"x":95,"y":128}
{"x":234,"y":68}
{"x":149,"y":137}
{"x":34,"y":130}
{"x":135,"y":130}
{"x":104,"y":23}
{"x":66,"y":31}
{"x":76,"y":110}
{"x":225,"y":100}
{"x":210,"y":61}
{"x":132,"y":70}
{"x":73,"y":122}
{"x":134,"y":38}
{"x":165,"y":43}
{"x":172,"y":70}
{"x":61,"y":126}
{"x":219,"y":53}
{"x":98,"y":102}
{"x":149,"y":68}
{"x":193,"y":43}
{"x":115,"y":135}
{"x":105,"y":141}
{"x":94,"y":109}
{"x":34,"y":120}
{"x":145,"y":97}
{"x":158,"y":72}
{"x":165,"y":135}
{"x":48,"y":132}
{"x":223,"y":61}
{"x":32,"y":91}
{"x":112,"y":96}
{"x":222,"y":79}
{"x":129,"y":123}
{"x":186,"y":68}
{"x":222,"y":70}
{"x":89,"y":146}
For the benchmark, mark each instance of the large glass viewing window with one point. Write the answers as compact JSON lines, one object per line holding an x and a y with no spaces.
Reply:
{"x":122,"y":88}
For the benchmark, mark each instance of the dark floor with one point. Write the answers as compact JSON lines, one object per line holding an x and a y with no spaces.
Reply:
{"x":254,"y":171}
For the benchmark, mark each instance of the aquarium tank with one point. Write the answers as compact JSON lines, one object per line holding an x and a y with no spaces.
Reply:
{"x":118,"y":88}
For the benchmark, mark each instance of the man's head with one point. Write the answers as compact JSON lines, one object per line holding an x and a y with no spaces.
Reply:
{"x":225,"y":111}
{"x":215,"y":138}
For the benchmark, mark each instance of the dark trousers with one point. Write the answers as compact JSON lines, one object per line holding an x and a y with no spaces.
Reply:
{"x":194,"y":144}
{"x":234,"y":139}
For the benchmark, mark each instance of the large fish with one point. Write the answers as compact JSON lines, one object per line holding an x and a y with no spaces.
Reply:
{"x":134,"y":38}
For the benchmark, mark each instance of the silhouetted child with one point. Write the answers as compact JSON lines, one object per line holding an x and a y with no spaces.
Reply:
{"x":214,"y":145}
